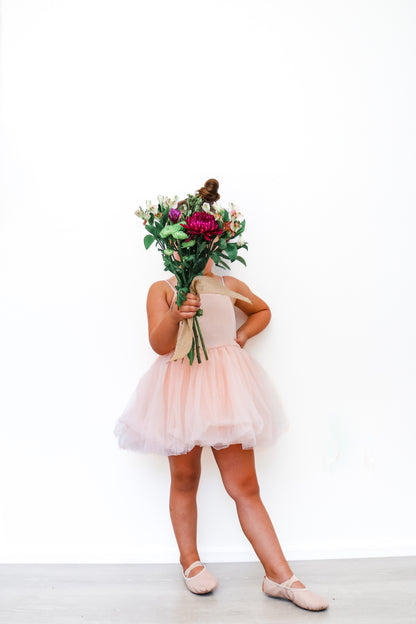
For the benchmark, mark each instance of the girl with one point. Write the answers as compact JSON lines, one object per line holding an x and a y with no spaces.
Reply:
{"x":226,"y":402}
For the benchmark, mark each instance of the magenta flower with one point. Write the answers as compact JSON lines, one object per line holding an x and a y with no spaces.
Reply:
{"x":174,"y":215}
{"x":202,"y":223}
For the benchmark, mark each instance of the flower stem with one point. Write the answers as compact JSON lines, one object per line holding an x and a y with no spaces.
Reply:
{"x":200,"y":335}
{"x":191,"y":353}
{"x":196,"y":341}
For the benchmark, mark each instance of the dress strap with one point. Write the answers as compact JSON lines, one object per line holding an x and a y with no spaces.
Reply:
{"x":173,"y":288}
{"x":222,"y":278}
{"x":174,"y":293}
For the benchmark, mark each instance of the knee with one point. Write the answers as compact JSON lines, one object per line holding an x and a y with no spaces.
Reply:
{"x":185,"y":480}
{"x":243,"y":487}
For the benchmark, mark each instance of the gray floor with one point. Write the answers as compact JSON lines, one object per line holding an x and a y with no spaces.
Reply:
{"x":367,"y":590}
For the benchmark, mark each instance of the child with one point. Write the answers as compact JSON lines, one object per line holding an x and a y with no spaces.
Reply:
{"x":226,"y":402}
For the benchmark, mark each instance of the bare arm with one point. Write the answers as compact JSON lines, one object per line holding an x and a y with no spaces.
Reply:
{"x":164,"y":322}
{"x":258,"y":312}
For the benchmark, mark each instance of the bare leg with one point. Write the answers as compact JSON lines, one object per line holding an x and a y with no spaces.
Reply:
{"x":237,"y":468}
{"x":185,"y":474}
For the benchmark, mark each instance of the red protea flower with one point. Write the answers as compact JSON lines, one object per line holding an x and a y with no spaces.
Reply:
{"x":202,"y":223}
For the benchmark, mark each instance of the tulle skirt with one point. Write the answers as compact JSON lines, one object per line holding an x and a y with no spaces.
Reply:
{"x":227,"y":399}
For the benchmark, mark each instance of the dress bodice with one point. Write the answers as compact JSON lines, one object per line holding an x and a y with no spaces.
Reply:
{"x":217,"y":323}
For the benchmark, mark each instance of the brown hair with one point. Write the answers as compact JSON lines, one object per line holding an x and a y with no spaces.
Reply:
{"x":208,"y":192}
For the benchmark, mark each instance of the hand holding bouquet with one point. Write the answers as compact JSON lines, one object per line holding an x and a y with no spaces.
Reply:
{"x":188,"y":234}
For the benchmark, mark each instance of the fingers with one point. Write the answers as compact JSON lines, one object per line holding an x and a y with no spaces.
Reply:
{"x":189,"y":307}
{"x":192,"y":299}
{"x":241,"y":338}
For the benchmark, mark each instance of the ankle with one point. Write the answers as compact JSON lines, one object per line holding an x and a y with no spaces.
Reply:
{"x":186,"y":560}
{"x":279,"y":574}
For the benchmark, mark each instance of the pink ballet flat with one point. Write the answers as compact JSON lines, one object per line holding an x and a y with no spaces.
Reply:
{"x":201,"y":583}
{"x":301,"y":596}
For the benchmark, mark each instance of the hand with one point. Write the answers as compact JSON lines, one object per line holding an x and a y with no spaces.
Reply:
{"x":241,"y":337}
{"x":188,"y":308}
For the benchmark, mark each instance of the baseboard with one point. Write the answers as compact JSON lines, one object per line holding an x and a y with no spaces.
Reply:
{"x":171,"y":556}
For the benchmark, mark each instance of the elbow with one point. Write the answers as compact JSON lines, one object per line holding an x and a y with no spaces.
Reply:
{"x":157,"y":348}
{"x":159,"y":351}
{"x":154,"y":345}
{"x":267,"y":316}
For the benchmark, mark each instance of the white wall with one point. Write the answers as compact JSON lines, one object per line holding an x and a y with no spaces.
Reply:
{"x":304,"y":111}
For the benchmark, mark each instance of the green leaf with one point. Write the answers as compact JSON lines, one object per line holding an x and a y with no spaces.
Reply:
{"x":222,"y":264}
{"x":232,"y":251}
{"x":191,"y":353}
{"x":189,"y":259}
{"x":215,"y":256}
{"x":240,"y":229}
{"x":148,"y":240}
{"x":150,"y":229}
{"x":241,"y":260}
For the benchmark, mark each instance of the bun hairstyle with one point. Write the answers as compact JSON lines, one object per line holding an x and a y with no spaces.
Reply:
{"x":209,"y":192}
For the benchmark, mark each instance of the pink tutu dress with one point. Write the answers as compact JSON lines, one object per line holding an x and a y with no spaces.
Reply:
{"x":227,"y":399}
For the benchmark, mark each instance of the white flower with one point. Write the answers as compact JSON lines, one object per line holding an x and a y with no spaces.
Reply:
{"x":217,"y":206}
{"x":206,"y":207}
{"x":150,"y":208}
{"x":236,"y":216}
{"x":172,"y":203}
{"x":143,"y":214}
{"x":240,"y":241}
{"x":160,"y":199}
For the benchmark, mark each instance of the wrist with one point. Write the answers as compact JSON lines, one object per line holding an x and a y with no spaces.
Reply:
{"x":173,"y":315}
{"x":241,"y":337}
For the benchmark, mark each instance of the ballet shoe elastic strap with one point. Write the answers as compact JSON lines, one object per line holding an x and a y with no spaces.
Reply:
{"x":193,"y":565}
{"x":290,"y":581}
{"x":287,"y":584}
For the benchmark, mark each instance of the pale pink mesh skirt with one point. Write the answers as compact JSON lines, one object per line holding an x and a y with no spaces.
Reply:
{"x":227,"y":399}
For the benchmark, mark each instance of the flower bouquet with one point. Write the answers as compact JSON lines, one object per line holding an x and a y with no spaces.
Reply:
{"x":188,"y":233}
